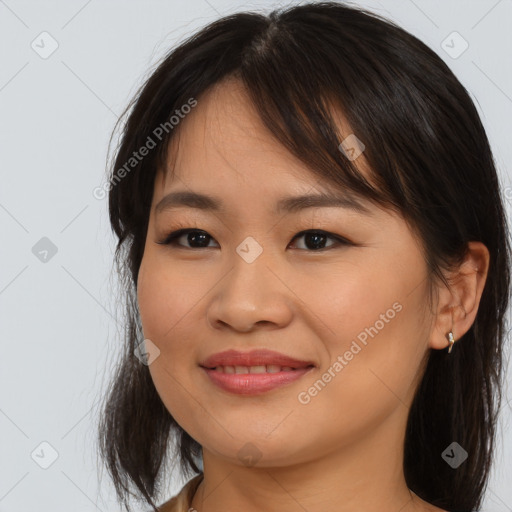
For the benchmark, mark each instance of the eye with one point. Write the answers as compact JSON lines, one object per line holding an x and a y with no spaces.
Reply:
{"x":194,"y":236}
{"x":199,"y":239}
{"x":313,"y":239}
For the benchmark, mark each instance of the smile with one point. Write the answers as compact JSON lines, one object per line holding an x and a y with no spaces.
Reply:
{"x":270,"y":368}
{"x":253,"y":380}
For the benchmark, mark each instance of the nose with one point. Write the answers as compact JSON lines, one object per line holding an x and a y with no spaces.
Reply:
{"x":250,"y":296}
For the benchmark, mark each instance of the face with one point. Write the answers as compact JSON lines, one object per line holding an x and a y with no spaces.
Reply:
{"x":346,"y":297}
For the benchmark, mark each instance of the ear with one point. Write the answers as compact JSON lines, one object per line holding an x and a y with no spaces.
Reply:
{"x":458,"y":305}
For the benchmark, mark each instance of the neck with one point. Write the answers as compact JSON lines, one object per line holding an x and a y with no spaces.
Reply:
{"x":364,"y":474}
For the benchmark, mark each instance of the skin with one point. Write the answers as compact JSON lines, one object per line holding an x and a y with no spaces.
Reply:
{"x":342,"y":451}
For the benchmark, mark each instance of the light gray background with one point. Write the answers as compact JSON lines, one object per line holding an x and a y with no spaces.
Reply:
{"x":58,"y":327}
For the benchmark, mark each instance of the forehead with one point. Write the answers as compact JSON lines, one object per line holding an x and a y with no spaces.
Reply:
{"x":224,"y":137}
{"x":224,"y":150}
{"x":225,"y":130}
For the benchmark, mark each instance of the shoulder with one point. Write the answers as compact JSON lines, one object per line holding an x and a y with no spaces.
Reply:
{"x":182,"y":501}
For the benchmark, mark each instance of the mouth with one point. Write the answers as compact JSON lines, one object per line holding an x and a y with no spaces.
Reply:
{"x":259,"y":369}
{"x":255,"y":372}
{"x":260,"y":360}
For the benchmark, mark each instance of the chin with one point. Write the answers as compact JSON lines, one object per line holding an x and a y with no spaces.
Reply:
{"x":257,"y":450}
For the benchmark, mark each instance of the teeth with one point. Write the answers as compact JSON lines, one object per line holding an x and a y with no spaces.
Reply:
{"x":270,"y":368}
{"x":257,"y":369}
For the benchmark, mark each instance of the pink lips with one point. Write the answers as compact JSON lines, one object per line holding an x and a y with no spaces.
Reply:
{"x":254,"y":383}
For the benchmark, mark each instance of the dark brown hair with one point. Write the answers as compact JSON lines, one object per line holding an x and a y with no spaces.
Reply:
{"x":430,"y":160}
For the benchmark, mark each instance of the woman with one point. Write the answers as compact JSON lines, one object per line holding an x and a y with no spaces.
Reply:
{"x":316,"y":261}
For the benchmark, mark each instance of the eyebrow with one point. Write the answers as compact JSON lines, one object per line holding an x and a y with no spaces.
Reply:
{"x":292,"y":204}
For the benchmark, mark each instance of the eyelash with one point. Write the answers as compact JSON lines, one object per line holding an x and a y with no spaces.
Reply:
{"x":171,"y":239}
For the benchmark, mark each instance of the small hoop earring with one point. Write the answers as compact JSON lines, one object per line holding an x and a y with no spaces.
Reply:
{"x":451,"y":339}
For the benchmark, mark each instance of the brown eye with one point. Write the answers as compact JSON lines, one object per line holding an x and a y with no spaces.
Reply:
{"x":197,"y":238}
{"x":315,"y":240}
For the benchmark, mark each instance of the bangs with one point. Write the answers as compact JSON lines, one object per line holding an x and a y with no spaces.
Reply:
{"x":329,"y":108}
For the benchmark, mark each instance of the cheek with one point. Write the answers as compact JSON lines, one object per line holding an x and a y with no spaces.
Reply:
{"x":372,"y":318}
{"x":343,"y":301}
{"x":166,"y":296}
{"x":170,"y":302}
{"x":166,"y":302}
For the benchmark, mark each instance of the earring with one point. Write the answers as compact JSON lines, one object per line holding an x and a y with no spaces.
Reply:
{"x":451,"y":339}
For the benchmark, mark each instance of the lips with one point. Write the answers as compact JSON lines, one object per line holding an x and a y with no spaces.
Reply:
{"x":254,"y":372}
{"x":254,"y":358}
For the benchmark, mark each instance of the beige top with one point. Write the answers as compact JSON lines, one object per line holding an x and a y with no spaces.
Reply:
{"x":182,"y":502}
